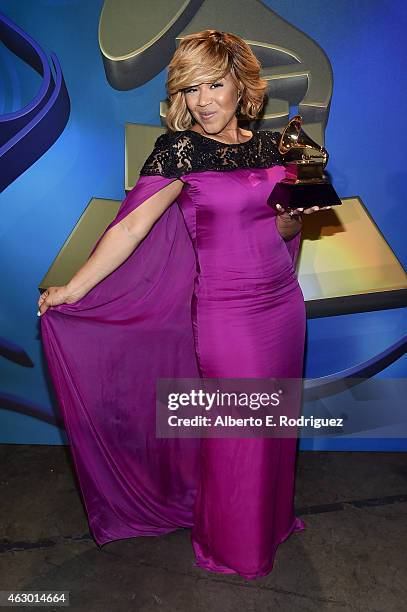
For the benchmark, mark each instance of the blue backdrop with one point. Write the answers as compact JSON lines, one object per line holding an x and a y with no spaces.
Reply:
{"x":366,"y":44}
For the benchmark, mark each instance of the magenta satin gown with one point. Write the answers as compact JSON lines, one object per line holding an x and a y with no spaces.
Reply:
{"x":211,"y":291}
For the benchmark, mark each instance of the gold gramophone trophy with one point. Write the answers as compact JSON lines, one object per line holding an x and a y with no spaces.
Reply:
{"x":305,"y":160}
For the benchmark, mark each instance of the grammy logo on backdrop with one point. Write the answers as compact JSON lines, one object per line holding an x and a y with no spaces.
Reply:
{"x":345,"y":264}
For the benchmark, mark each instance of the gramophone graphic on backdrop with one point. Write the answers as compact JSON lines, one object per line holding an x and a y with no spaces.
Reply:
{"x":300,"y":81}
{"x":339,"y":273}
{"x":305,"y":159}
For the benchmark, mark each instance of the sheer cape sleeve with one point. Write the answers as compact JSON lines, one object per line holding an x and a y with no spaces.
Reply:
{"x":104,"y":354}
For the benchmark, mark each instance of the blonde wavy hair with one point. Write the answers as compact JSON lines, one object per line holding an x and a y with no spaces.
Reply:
{"x":205,"y":57}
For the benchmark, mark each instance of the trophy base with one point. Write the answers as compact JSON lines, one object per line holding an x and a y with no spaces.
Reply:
{"x":303,"y":195}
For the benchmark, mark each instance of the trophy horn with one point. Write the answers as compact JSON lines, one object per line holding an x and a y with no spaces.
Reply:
{"x":294,"y":139}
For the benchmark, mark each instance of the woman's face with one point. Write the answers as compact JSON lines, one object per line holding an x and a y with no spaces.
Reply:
{"x":213,"y":105}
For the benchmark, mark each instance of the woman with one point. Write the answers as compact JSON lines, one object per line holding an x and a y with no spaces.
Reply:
{"x":209,"y":291}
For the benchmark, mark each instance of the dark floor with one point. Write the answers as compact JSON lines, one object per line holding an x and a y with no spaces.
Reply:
{"x":352,"y":556}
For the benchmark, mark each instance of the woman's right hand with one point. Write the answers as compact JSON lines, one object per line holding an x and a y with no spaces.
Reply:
{"x":53,"y":296}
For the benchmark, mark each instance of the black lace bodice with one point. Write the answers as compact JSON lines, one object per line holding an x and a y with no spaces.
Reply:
{"x":179,"y":153}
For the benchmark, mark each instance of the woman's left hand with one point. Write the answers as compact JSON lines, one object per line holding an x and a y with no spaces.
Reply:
{"x":289,"y":222}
